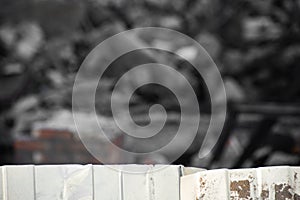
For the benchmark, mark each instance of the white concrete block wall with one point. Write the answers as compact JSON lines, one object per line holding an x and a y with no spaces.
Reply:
{"x":79,"y":184}
{"x":18,"y":182}
{"x":136,"y":185}
{"x":206,"y":185}
{"x":214,"y":185}
{"x":148,"y":183}
{"x":107,"y":180}
{"x":63,"y":182}
{"x":267,"y":183}
{"x":164,"y":182}
{"x":1,"y":183}
{"x":87,"y":182}
{"x":190,"y":187}
{"x":272,"y":181}
{"x":295,"y":172}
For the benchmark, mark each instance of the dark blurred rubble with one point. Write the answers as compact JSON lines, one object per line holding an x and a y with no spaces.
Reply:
{"x":255,"y":44}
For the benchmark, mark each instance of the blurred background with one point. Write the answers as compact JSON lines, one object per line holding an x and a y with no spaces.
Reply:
{"x":255,"y":44}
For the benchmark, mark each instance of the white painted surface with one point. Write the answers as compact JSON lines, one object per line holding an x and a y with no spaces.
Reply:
{"x":190,"y":187}
{"x":64,"y":182}
{"x":18,"y":182}
{"x":164,"y":182}
{"x":270,"y":178}
{"x":72,"y":182}
{"x":79,"y":185}
{"x":267,"y":183}
{"x":190,"y":184}
{"x":130,"y":182}
{"x":295,"y":173}
{"x":1,"y":183}
{"x":214,"y":185}
{"x":191,"y":170}
{"x":107,"y":183}
{"x":136,"y":183}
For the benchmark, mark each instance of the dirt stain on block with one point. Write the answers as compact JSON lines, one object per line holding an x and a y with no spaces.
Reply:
{"x":202,"y":187}
{"x":242,"y":188}
{"x":264,"y":194}
{"x":296,"y":197}
{"x":282,"y":192}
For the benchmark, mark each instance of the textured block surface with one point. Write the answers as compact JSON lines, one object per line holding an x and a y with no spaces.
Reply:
{"x":190,"y":187}
{"x":164,"y":181}
{"x":1,"y":183}
{"x":147,"y":182}
{"x":18,"y":182}
{"x":64,"y":182}
{"x":140,"y":179}
{"x":87,"y":182}
{"x":267,"y":183}
{"x":107,"y":183}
